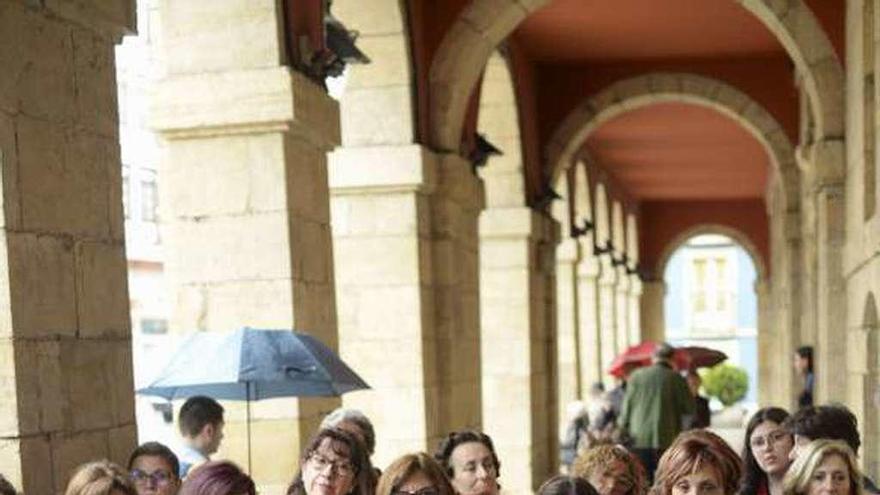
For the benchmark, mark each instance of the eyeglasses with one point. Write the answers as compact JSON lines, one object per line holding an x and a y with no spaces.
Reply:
{"x":772,"y":438}
{"x":339,"y":466}
{"x":158,"y":478}
{"x":428,"y":490}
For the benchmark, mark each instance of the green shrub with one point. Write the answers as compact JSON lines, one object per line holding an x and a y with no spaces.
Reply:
{"x":726,"y":382}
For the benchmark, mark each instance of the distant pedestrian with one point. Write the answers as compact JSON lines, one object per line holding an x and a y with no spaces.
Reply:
{"x":702,"y":417}
{"x":803,"y":365}
{"x":6,"y":487}
{"x":656,"y":403}
{"x":201,"y":428}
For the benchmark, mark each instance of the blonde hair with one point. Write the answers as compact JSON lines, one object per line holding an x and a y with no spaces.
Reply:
{"x":99,"y":478}
{"x":692,"y":451}
{"x":799,"y":474}
{"x":601,"y":457}
{"x":407,"y":465}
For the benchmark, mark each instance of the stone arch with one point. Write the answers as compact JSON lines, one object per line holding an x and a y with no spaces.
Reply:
{"x":739,"y":237}
{"x":499,"y":123}
{"x":483,"y":24}
{"x":384,"y":86}
{"x":661,"y":87}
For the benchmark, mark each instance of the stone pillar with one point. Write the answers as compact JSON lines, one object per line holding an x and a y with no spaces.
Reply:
{"x":634,"y":301}
{"x":766,"y":342}
{"x":568,"y":336}
{"x":66,"y":338}
{"x":404,"y":237}
{"x":592,"y":368}
{"x":517,"y":248}
{"x":831,"y":300}
{"x":652,"y":313}
{"x":621,"y":308}
{"x":247,"y":202}
{"x":606,"y":309}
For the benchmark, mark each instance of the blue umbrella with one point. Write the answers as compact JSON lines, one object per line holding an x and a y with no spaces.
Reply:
{"x":251,"y":364}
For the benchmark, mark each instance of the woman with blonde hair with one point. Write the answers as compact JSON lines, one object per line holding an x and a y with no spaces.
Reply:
{"x":414,"y":474}
{"x":825,"y":467}
{"x":612,"y":470}
{"x":99,"y":478}
{"x":698,"y":462}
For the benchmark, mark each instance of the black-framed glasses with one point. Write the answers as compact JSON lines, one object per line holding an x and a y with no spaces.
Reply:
{"x":158,"y":478}
{"x":341,"y":467}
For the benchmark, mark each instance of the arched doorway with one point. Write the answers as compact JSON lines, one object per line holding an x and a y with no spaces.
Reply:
{"x":711,"y":301}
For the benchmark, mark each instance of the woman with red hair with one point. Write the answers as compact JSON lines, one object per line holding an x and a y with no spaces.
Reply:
{"x":698,"y":463}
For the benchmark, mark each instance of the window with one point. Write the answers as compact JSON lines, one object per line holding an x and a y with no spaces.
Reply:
{"x":154,"y":326}
{"x":149,"y":197}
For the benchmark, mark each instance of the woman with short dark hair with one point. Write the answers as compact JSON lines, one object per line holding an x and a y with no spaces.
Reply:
{"x":334,"y":462}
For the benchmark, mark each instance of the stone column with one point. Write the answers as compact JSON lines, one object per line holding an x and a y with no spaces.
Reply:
{"x":652,"y":313}
{"x":831,"y":300}
{"x":766,"y":342}
{"x":591,"y":350}
{"x":247,"y":203}
{"x":568,"y":317}
{"x":66,"y":339}
{"x":634,"y":301}
{"x":606,"y":309}
{"x":621,"y":308}
{"x":517,"y":248}
{"x":404,"y":238}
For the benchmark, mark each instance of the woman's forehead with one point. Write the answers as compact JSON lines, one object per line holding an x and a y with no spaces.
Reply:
{"x":329,"y":445}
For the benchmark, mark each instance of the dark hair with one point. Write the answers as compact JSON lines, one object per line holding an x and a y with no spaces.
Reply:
{"x":196,"y":413}
{"x":99,"y":478}
{"x":566,"y":485}
{"x":753,"y":475}
{"x":456,"y":438}
{"x":6,"y":487}
{"x":364,"y":477}
{"x":833,"y":421}
{"x":218,"y":478}
{"x":806,"y":352}
{"x":156,"y":449}
{"x":399,"y":471}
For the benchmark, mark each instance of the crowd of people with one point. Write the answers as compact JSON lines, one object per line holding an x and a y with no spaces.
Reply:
{"x":656,"y":450}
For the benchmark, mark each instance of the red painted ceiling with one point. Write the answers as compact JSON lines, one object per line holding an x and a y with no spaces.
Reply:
{"x":598,"y":30}
{"x":680,"y":151}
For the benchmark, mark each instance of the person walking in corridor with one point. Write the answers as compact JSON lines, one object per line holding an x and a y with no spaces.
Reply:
{"x":656,"y":404}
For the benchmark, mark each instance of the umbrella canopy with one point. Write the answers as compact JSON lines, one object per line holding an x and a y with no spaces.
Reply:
{"x":251,"y":364}
{"x":684,"y":357}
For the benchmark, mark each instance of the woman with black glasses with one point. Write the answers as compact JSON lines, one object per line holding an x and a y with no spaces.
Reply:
{"x":334,"y":462}
{"x":765,"y":454}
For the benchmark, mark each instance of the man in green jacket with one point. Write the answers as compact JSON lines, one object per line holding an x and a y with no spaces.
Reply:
{"x":656,"y":404}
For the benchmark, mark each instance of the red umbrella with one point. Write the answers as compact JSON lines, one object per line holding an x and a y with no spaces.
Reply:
{"x":684,"y":357}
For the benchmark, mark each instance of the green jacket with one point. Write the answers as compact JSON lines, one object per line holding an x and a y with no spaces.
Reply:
{"x":656,"y":400}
